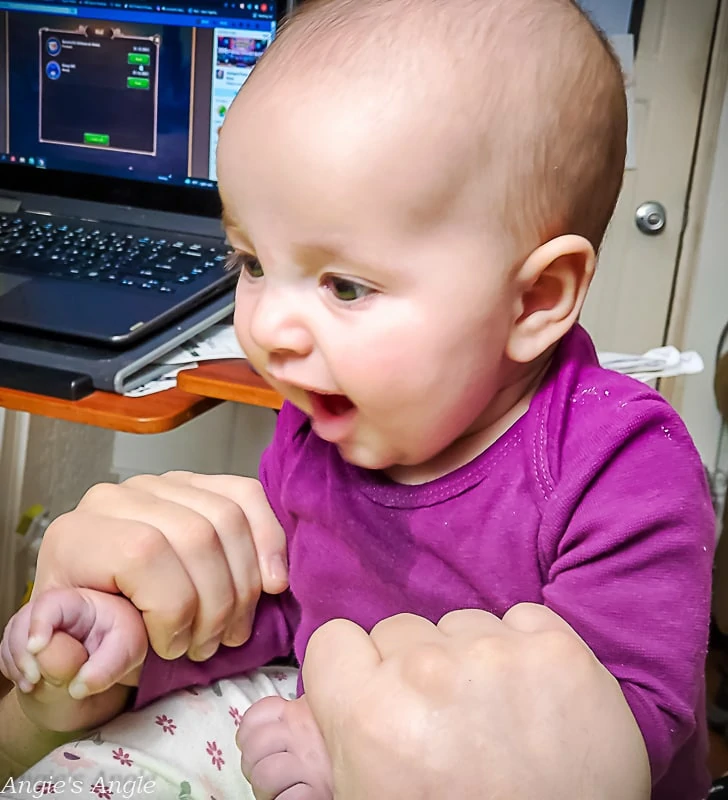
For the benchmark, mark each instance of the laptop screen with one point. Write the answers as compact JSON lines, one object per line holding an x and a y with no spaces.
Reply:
{"x":129,"y":96}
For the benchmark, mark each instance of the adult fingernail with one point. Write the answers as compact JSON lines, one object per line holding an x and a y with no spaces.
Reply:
{"x":237,"y":634}
{"x":278,"y":568}
{"x":179,"y":643}
{"x":205,"y":650}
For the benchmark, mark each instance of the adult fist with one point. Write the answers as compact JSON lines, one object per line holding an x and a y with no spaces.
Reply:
{"x":475,"y":707}
{"x":191,"y":552}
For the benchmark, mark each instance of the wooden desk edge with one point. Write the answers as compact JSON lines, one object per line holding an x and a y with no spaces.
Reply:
{"x":232,"y":380}
{"x":145,"y":415}
{"x":197,"y":391}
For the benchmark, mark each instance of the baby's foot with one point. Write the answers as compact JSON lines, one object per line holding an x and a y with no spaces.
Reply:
{"x":283,"y":751}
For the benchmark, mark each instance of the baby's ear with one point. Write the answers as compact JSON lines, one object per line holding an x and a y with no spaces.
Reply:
{"x":554,"y":281}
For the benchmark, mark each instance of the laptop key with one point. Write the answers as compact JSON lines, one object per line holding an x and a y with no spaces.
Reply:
{"x":81,"y":253}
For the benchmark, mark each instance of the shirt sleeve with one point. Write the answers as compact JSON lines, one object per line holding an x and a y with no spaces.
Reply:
{"x":627,"y":548}
{"x":276,"y":618}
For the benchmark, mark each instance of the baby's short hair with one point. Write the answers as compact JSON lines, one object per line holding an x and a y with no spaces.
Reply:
{"x":536,"y":82}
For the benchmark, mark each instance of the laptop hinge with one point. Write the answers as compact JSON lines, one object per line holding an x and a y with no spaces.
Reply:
{"x":10,"y":205}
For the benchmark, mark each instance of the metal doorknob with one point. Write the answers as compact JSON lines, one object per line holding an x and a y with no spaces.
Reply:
{"x":651,"y":218}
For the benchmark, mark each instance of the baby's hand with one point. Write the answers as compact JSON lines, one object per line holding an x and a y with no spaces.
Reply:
{"x":69,"y":644}
{"x":283,"y":752}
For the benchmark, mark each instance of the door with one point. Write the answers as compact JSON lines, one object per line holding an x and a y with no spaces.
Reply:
{"x":628,"y":306}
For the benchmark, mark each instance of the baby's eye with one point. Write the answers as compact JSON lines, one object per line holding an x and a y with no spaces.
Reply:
{"x":345,"y":289}
{"x":252,"y":267}
{"x":246,"y":263}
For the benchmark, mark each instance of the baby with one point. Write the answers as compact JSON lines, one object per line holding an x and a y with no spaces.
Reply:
{"x":415,"y":191}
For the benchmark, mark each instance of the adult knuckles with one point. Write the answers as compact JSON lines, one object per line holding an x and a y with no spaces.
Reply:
{"x":246,"y":487}
{"x":529,"y":616}
{"x":228,"y":516}
{"x":57,"y":531}
{"x":496,"y":654}
{"x":48,"y":572}
{"x":149,"y":483}
{"x":142,"y":545}
{"x":427,"y":667}
{"x":237,"y":488}
{"x":250,"y":493}
{"x":177,"y":475}
{"x":219,"y":621}
{"x":101,"y":495}
{"x":556,"y":656}
{"x":560,"y":646}
{"x":196,"y":535}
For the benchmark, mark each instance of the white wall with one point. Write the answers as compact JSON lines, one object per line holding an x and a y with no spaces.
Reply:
{"x":708,"y":308}
{"x":43,"y":461}
{"x":228,"y":439}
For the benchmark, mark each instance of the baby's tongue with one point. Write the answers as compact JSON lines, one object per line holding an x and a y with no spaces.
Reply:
{"x":336,"y":404}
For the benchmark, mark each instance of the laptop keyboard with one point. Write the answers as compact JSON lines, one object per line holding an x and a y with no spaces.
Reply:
{"x":91,"y":252}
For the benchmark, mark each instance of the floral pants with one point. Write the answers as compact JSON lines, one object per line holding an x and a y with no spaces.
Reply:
{"x":182,"y":747}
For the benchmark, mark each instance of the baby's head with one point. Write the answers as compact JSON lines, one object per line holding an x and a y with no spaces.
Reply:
{"x":417,"y":189}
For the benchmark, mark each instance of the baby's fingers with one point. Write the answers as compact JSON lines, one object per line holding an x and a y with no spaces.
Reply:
{"x":16,"y":663}
{"x":121,"y":650}
{"x":258,"y":742}
{"x":59,"y":610}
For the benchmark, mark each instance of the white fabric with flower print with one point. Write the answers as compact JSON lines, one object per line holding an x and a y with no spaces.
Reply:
{"x":181,"y":747}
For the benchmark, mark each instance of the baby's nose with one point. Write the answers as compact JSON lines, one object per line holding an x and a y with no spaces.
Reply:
{"x":276,"y":326}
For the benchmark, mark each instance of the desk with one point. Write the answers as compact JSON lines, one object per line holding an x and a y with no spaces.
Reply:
{"x":154,"y":414}
{"x":232,"y":379}
{"x":198,"y":390}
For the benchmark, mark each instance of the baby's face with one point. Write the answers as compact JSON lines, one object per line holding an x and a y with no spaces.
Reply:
{"x":370,"y":296}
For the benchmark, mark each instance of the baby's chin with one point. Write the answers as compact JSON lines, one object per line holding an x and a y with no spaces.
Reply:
{"x":370,"y":456}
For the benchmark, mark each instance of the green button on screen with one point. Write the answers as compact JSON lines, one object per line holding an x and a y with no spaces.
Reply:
{"x":137,"y":83}
{"x":139,"y":58}
{"x":96,"y":138}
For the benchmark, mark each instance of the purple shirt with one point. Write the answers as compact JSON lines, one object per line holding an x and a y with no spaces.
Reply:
{"x":594,"y":504}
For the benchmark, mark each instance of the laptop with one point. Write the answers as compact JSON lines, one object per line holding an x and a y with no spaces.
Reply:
{"x":110,"y":112}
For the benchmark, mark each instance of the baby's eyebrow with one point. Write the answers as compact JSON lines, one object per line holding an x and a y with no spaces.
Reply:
{"x":229,"y":224}
{"x":227,"y":220}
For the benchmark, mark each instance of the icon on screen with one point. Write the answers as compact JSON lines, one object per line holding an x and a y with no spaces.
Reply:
{"x":53,"y":70}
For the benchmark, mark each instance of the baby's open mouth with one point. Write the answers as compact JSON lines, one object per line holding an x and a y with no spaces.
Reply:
{"x":335,"y":404}
{"x":333,"y":416}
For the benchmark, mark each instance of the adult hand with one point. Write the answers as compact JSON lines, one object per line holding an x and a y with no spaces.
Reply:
{"x":191,"y":552}
{"x":475,"y":707}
